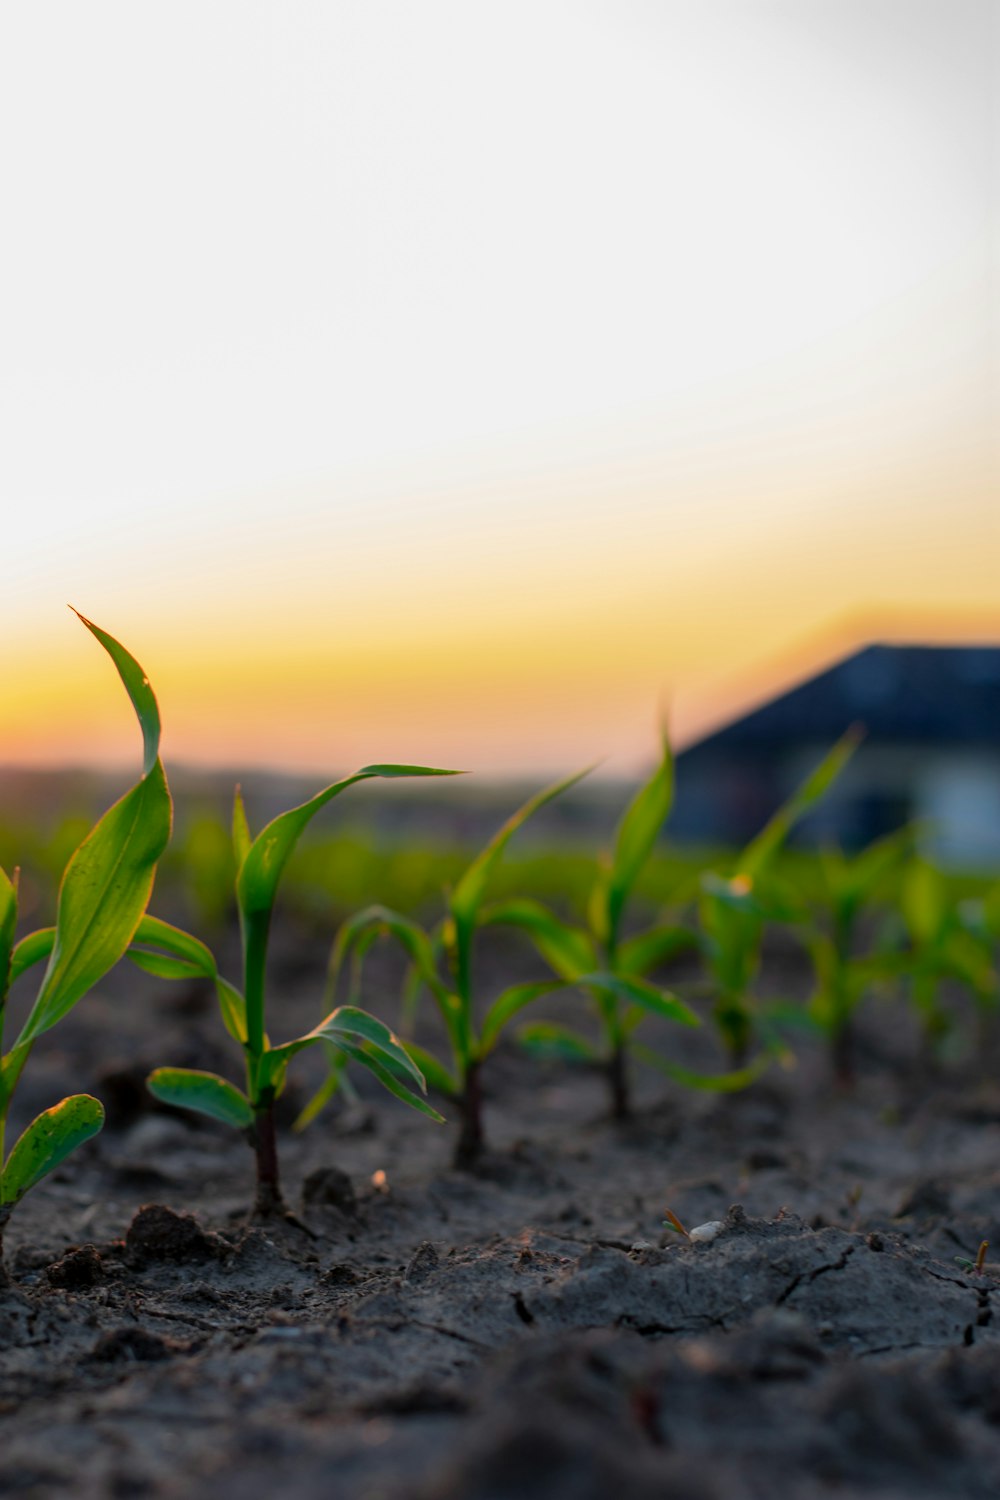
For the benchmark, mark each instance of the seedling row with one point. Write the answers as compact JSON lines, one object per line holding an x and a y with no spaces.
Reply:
{"x":923,"y":943}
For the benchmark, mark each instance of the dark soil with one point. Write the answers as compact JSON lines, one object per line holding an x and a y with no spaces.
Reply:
{"x":526,"y":1331}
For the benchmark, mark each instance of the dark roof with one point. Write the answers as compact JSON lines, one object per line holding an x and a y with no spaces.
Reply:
{"x":934,"y":695}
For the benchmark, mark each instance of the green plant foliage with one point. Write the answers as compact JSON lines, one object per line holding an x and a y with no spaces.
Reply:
{"x":441,"y":963}
{"x":205,"y":1093}
{"x":348,"y":1032}
{"x":734,"y":909}
{"x":597,"y":957}
{"x":102,"y":898}
{"x":46,"y":1142}
{"x":845,"y":974}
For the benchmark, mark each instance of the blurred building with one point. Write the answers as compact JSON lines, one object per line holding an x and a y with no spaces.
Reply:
{"x":931,"y":753}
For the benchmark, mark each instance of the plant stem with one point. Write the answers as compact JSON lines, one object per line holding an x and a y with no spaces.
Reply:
{"x":469,"y":1146}
{"x":5,"y":1211}
{"x":621,"y":1101}
{"x":842,"y":1052}
{"x":268,"y":1201}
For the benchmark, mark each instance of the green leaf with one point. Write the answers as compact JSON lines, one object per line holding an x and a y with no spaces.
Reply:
{"x":163,"y":966}
{"x":348,"y":1021}
{"x":137,"y":686}
{"x":188,"y":958}
{"x":714,"y":1083}
{"x":637,"y":991}
{"x":332,"y":1083}
{"x":546,"y":1039}
{"x":233,"y":1009}
{"x":873,"y":864}
{"x":205,"y":1093}
{"x":436,"y":1075}
{"x":261,"y":867}
{"x":260,"y":872}
{"x":153,"y":932}
{"x":762,"y":849}
{"x":924,"y":901}
{"x":639,"y":954}
{"x":636,"y":836}
{"x":468,"y":893}
{"x":11,"y":1068}
{"x":241,"y":830}
{"x":104,"y":893}
{"x":409,"y":934}
{"x":567,"y":950}
{"x":31,"y":950}
{"x":507,"y":1005}
{"x":8,"y":924}
{"x":373,"y":1061}
{"x":48,"y":1140}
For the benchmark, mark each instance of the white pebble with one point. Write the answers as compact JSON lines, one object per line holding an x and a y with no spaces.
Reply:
{"x":707,"y":1232}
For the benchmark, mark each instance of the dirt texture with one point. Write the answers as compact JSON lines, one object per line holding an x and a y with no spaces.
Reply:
{"x":527,"y":1330}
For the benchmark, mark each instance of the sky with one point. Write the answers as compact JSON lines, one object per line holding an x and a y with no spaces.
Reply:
{"x":463,"y":382}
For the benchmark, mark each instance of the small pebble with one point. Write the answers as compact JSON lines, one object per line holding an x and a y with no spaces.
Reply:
{"x":705,"y":1233}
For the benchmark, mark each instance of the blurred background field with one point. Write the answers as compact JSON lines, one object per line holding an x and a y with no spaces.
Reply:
{"x":391,"y":844}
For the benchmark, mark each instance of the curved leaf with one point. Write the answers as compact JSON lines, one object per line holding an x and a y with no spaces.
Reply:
{"x":48,"y":1140}
{"x":162,"y":966}
{"x":507,"y":1005}
{"x":409,"y":934}
{"x":241,"y":830}
{"x":468,"y":893}
{"x":137,"y":686}
{"x":8,"y":923}
{"x":205,"y":1093}
{"x":636,"y":836}
{"x":30,"y":951}
{"x":261,"y":867}
{"x":332,"y":1084}
{"x":640,"y":992}
{"x":187,"y":957}
{"x":154,"y":932}
{"x":549,"y":1040}
{"x":104,"y":893}
{"x":713,"y":1083}
{"x":436,"y":1075}
{"x":373,"y":1061}
{"x":567,"y":950}
{"x":357,"y":1026}
{"x":639,"y":954}
{"x":760,"y":850}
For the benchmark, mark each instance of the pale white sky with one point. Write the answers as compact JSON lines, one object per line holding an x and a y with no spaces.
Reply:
{"x":293,"y":294}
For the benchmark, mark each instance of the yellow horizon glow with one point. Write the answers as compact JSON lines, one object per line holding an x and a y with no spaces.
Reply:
{"x":456,"y":384}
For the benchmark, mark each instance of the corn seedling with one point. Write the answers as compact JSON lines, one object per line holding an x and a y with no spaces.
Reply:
{"x":735,"y":909}
{"x":442,"y":962}
{"x":572,"y":952}
{"x":843,"y":974}
{"x":167,"y":951}
{"x":102,"y":896}
{"x":945,"y":944}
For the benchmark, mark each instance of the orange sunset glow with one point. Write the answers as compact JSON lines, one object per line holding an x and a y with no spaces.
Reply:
{"x":458,"y":383}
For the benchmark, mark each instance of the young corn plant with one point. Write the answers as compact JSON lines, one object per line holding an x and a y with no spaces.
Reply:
{"x":442,"y":962}
{"x":171,"y":953}
{"x":104,"y":892}
{"x":843,"y":974}
{"x":573,"y":952}
{"x":734,"y":909}
{"x":945,"y":944}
